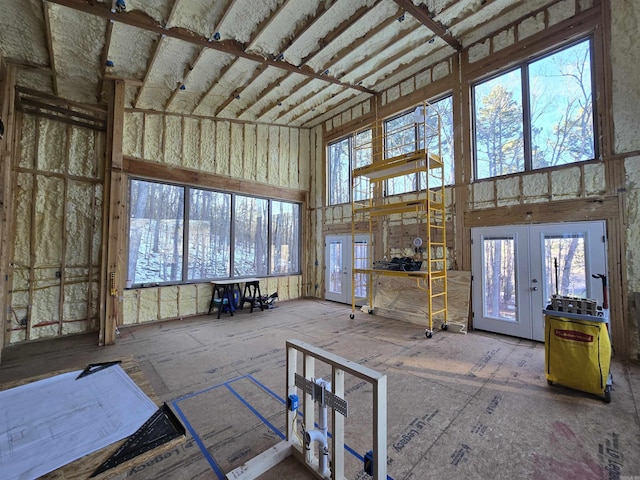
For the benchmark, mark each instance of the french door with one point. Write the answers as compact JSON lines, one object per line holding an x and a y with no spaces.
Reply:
{"x":338,"y":272}
{"x":517,"y":268}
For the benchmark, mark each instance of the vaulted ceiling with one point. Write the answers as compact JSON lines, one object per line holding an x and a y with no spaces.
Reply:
{"x":276,"y":61}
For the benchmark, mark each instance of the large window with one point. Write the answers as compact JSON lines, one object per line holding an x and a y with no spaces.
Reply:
{"x":403,"y":134}
{"x":343,"y":156}
{"x":537,"y":115}
{"x":209,"y":234}
{"x":155,"y":232}
{"x":179,"y":233}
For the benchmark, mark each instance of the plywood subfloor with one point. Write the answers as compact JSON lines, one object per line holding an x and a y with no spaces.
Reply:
{"x":460,"y":406}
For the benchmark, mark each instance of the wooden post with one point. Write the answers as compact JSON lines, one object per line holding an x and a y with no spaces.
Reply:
{"x":7,"y":113}
{"x":114,"y":218}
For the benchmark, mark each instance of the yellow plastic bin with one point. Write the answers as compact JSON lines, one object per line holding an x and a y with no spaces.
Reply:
{"x":578,"y":352}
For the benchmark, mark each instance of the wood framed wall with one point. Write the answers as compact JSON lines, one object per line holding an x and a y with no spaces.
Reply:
{"x":555,"y":24}
{"x":7,"y":113}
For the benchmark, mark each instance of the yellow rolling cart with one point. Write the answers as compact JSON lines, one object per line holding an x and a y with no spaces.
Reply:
{"x":578,"y":351}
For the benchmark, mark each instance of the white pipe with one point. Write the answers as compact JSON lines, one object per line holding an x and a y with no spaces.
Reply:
{"x":320,"y":435}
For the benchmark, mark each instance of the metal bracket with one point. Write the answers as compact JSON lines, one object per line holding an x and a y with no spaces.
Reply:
{"x":321,"y":395}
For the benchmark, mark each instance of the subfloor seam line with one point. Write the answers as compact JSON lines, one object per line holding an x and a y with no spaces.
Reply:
{"x":255,"y":412}
{"x":480,"y":388}
{"x":198,"y":440}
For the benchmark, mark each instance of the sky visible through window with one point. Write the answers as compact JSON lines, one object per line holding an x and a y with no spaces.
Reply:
{"x":557,"y":116}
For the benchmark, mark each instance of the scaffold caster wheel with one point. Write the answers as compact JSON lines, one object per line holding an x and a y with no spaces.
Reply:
{"x":370,"y":311}
{"x":607,"y":394}
{"x":428,"y":333}
{"x":444,"y":327}
{"x":549,"y":382}
{"x":351,"y":316}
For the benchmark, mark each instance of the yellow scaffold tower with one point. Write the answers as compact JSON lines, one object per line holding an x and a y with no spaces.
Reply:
{"x":411,"y":148}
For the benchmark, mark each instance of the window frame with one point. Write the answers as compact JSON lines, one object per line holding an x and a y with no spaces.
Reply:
{"x":523,"y":66}
{"x":351,"y":138}
{"x":449,"y":167}
{"x":186,"y":192}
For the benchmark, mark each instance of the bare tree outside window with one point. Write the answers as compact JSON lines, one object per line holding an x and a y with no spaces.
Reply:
{"x":343,"y":156}
{"x":557,"y":116}
{"x":562,"y":107}
{"x":155,"y":232}
{"x":209,"y":234}
{"x":498,"y":128}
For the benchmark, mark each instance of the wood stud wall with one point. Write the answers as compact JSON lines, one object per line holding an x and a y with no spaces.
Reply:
{"x":587,"y":199}
{"x":270,"y":161}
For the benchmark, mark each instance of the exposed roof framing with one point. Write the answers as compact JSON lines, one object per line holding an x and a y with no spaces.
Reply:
{"x":185,"y":78}
{"x":142,"y":21}
{"x":52,"y":61}
{"x":422,"y":14}
{"x":287,"y":62}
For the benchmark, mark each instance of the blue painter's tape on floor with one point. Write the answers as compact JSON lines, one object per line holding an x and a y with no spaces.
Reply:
{"x":227,"y":385}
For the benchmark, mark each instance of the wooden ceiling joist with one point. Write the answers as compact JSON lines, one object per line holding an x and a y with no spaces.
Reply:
{"x":185,"y":78}
{"x":424,"y":16}
{"x":47,"y":22}
{"x":142,"y":21}
{"x":315,"y":18}
{"x":339,"y":30}
{"x":152,"y":61}
{"x":236,"y":92}
{"x":277,"y":103}
{"x":104,"y":57}
{"x":264,"y":93}
{"x":223,"y":17}
{"x":224,"y":70}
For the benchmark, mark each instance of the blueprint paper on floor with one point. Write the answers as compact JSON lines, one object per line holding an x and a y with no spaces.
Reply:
{"x":47,"y":424}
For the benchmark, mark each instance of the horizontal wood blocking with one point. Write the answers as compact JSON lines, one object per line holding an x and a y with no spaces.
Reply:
{"x":157,"y":171}
{"x":345,"y":228}
{"x":561,"y":211}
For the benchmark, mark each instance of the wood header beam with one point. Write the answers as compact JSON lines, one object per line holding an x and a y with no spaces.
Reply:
{"x":157,"y":171}
{"x":582,"y":209}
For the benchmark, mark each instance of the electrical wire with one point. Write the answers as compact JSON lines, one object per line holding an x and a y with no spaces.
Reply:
{"x":16,"y":317}
{"x":295,"y":430}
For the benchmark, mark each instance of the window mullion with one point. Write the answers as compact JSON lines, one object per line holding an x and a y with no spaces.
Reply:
{"x":526,"y":119}
{"x":269,"y":237}
{"x":232,"y":237}
{"x":185,"y":233}
{"x":352,"y":156}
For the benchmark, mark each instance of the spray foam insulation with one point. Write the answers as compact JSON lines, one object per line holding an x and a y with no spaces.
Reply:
{"x":77,"y":42}
{"x":632,"y":170}
{"x":625,"y":58}
{"x":20,"y":20}
{"x":130,"y":48}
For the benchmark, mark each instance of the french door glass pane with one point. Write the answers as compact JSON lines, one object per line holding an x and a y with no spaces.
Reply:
{"x":335,"y":267}
{"x":209,"y":234}
{"x":565,"y":254}
{"x":499,"y":140}
{"x":250,"y":242}
{"x":500,"y":300}
{"x":562,"y":107}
